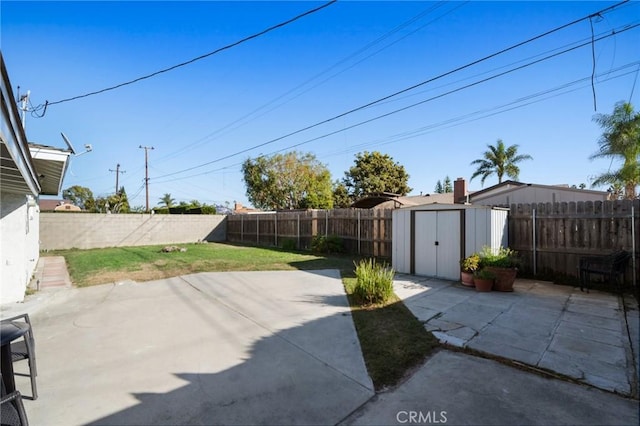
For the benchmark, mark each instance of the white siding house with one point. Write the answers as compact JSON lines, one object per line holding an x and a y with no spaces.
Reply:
{"x":26,"y":171}
{"x":510,"y":192}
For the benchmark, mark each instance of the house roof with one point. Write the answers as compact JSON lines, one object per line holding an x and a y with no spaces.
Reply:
{"x":25,"y":168}
{"x":503,"y":186}
{"x":398,"y":201}
{"x":17,"y":171}
{"x":51,"y":164}
{"x":511,"y":186}
{"x":50,"y":205}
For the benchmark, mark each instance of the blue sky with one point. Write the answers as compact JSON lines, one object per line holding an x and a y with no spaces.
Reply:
{"x":340,"y":58}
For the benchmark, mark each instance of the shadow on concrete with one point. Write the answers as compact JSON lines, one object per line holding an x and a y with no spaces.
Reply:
{"x":280,"y":381}
{"x":210,"y":348}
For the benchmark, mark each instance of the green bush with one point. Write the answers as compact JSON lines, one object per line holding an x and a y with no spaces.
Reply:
{"x":289,"y":244}
{"x":503,"y":258}
{"x":374,"y":282}
{"x":327,"y":244}
{"x":484,"y":274}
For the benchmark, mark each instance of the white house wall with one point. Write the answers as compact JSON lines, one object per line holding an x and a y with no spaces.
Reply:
{"x":19,"y":249}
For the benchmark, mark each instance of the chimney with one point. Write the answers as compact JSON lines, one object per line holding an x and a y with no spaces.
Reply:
{"x":237,"y":206}
{"x":460,"y":191}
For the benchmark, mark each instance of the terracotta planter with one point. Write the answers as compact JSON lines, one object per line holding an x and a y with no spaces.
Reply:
{"x":483,"y":284}
{"x":466,"y":278}
{"x":505,"y":277}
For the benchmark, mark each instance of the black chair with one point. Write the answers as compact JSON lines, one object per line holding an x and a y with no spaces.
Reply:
{"x":12,"y":410}
{"x":610,"y":267}
{"x":25,"y":349}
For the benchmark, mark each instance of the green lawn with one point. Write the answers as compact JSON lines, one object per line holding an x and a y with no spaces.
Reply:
{"x":393,"y":341}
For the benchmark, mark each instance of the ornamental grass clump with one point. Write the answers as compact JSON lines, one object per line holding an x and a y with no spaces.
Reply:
{"x":374,"y":282}
{"x":504,"y":257}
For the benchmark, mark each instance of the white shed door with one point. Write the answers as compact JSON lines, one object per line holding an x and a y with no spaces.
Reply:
{"x":437,"y":244}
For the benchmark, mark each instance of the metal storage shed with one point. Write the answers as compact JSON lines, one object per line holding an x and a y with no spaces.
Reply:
{"x":431,"y":239}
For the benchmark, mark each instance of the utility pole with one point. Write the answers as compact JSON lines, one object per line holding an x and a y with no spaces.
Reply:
{"x":117,"y":170}
{"x":146,"y":171}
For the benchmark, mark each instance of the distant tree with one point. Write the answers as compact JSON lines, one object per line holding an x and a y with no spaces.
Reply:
{"x":119,"y":202}
{"x":208,"y":209}
{"x":287,"y":181}
{"x":375,"y":172}
{"x":442,"y":188}
{"x":166,"y":200}
{"x":499,"y":160}
{"x":620,"y":140}
{"x":447,"y":186}
{"x":102,"y":205}
{"x":616,"y":191}
{"x":80,"y":196}
{"x":341,"y":198}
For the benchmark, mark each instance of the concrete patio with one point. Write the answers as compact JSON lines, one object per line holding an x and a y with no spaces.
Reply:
{"x":281,"y":348}
{"x":210,"y":348}
{"x":556,"y":328}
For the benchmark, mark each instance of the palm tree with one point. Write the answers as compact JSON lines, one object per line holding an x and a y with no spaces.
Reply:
{"x":620,"y":140}
{"x":499,"y":160}
{"x":167,"y":200}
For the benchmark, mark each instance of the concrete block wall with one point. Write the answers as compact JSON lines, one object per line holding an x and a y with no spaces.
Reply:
{"x":97,"y":230}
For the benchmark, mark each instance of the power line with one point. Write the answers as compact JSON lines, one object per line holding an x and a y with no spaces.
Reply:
{"x":206,"y":55}
{"x":430,"y":80}
{"x":489,"y":112}
{"x":255,"y":113}
{"x":456,"y":121}
{"x":457,"y":89}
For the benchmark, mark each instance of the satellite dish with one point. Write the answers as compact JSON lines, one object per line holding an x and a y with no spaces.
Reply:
{"x":68,"y":142}
{"x":87,"y":147}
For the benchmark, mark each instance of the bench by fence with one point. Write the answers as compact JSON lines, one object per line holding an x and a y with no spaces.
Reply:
{"x":611,"y":268}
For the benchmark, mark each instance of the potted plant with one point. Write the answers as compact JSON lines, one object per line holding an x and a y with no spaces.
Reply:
{"x":483,"y":279}
{"x":468,"y":266}
{"x":503,"y":264}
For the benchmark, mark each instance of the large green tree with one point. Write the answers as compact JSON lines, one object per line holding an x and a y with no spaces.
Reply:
{"x":499,"y":160}
{"x":374,"y":172}
{"x":620,"y":140}
{"x":81,"y":196}
{"x":287,"y":181}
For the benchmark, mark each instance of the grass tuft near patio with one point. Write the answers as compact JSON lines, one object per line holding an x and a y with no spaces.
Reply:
{"x":393,"y":341}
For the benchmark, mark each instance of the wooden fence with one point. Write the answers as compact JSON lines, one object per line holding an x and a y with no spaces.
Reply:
{"x":365,"y":232}
{"x":551,"y":238}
